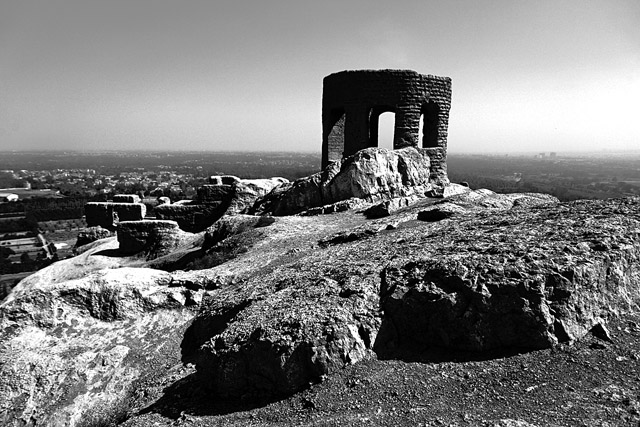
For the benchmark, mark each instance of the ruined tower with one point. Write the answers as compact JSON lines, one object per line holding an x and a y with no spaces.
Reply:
{"x":353,"y":101}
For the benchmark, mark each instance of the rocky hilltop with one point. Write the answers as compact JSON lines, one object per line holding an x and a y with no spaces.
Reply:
{"x":387,"y":299}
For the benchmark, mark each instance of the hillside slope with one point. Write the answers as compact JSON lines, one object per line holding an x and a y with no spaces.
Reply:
{"x":478,"y":309}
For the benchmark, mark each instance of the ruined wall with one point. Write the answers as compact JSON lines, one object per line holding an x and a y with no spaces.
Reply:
{"x":154,"y":237}
{"x":353,"y":101}
{"x":126,"y":198}
{"x":191,"y":217}
{"x":107,"y":214}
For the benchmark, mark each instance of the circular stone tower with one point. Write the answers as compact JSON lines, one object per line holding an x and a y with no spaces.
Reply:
{"x":352,"y":102}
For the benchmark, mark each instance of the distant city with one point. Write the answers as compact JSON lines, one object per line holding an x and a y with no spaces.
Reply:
{"x":42,"y":194}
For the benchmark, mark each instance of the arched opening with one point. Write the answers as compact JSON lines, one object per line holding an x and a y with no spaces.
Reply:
{"x":386,"y":129}
{"x":430,"y":123}
{"x":335,"y":137}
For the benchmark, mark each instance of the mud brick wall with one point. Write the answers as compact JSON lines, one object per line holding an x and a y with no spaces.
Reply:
{"x":192,"y":218}
{"x":352,"y":102}
{"x":213,"y":193}
{"x":136,"y":236}
{"x":126,"y":198}
{"x":107,"y":214}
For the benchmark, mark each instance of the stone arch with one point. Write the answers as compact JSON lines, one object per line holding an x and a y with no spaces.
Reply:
{"x":335,"y":134}
{"x":374,"y":123}
{"x":352,"y":102}
{"x":430,"y":113}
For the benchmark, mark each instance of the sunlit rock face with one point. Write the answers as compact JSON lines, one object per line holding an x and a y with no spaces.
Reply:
{"x":154,"y":238}
{"x":226,"y":195}
{"x":373,"y":174}
{"x":501,"y":273}
{"x":71,"y":349}
{"x":301,"y":297}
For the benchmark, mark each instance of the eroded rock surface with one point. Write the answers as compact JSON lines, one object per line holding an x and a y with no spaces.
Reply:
{"x":91,"y":234}
{"x":276,"y":335}
{"x":108,"y":214}
{"x":499,"y":276}
{"x":527,"y":278}
{"x":228,"y":195}
{"x":73,"y":348}
{"x":301,"y":303}
{"x":154,"y":238}
{"x":372,"y":174}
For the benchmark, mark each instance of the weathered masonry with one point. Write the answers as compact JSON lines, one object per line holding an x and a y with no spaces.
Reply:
{"x":353,"y":101}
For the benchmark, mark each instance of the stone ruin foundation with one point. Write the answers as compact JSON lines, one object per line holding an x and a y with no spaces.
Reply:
{"x":353,"y":101}
{"x":108,"y":214}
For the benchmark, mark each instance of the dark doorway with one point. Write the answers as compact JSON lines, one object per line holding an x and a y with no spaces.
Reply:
{"x":429,"y":121}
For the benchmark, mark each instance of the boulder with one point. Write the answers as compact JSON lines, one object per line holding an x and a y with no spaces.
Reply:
{"x":440,"y":211}
{"x":72,"y":350}
{"x":388,"y":207}
{"x":372,"y":174}
{"x":274,"y":336}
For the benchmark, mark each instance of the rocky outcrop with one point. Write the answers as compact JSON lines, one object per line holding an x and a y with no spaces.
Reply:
{"x":72,"y":349}
{"x":228,"y":195}
{"x":388,"y":207}
{"x":372,"y":174}
{"x":231,"y":225}
{"x":482,"y":200}
{"x":527,"y":278}
{"x":191,"y":217}
{"x":91,"y":234}
{"x":247,"y":191}
{"x":107,"y":214}
{"x":274,"y":335}
{"x":154,"y":238}
{"x":311,"y":295}
{"x":502,"y":275}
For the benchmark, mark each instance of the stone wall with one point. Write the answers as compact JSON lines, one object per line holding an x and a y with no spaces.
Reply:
{"x":107,"y":214}
{"x":191,"y":217}
{"x":353,"y":101}
{"x":153,"y":237}
{"x":126,"y":198}
{"x":214,"y":193}
{"x":224,"y":195}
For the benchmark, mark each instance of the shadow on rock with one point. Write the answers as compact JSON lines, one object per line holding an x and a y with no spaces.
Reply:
{"x":113,"y":253}
{"x":190,"y":396}
{"x":439,"y":354}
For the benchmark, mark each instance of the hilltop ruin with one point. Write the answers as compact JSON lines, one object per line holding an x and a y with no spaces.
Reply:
{"x":353,"y":101}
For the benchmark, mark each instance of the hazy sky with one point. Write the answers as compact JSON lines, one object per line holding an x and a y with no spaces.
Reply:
{"x":228,"y":75}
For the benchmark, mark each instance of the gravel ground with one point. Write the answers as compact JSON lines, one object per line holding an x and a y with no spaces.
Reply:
{"x":593,"y":382}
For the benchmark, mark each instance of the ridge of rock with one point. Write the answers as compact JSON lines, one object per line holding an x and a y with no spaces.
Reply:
{"x":502,"y":272}
{"x":372,"y":174}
